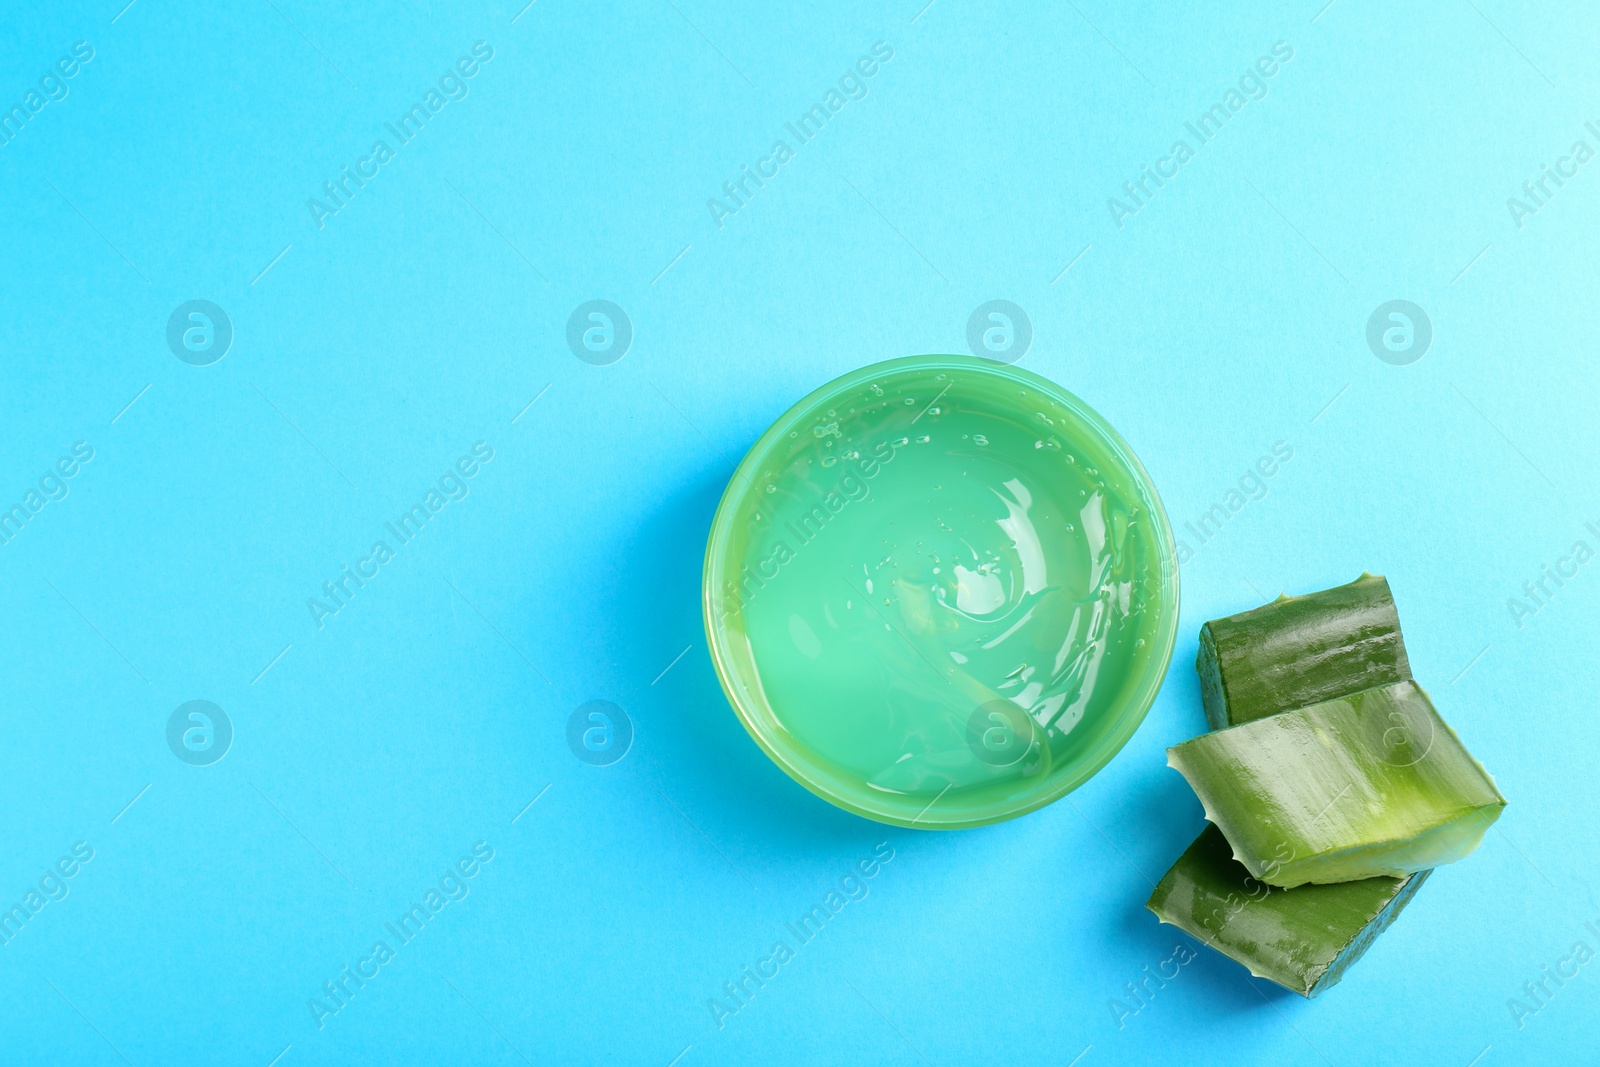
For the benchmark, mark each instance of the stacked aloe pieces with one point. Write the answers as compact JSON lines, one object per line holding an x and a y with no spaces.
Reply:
{"x":1332,"y":786}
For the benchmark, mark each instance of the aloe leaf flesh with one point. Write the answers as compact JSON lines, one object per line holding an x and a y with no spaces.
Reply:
{"x":1304,"y":939}
{"x":1301,"y":650}
{"x":1374,"y":783}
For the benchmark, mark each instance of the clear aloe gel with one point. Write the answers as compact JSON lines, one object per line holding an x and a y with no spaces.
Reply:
{"x":943,"y":594}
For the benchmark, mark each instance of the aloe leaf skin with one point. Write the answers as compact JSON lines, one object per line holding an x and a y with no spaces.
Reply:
{"x":1370,"y":784}
{"x":1301,"y":650}
{"x":1304,"y":939}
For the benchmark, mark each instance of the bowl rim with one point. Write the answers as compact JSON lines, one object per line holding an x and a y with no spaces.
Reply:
{"x":1134,"y":710}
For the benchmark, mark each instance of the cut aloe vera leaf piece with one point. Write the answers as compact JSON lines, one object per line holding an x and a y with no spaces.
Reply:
{"x":1372,"y":783}
{"x":1300,"y":650}
{"x":1304,"y":939}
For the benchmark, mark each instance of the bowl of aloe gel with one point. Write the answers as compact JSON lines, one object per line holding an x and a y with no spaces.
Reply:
{"x":940,"y":592}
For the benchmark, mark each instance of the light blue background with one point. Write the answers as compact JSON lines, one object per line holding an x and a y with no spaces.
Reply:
{"x":1225,"y":316}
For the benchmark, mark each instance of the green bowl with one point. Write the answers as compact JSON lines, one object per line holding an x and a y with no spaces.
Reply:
{"x":940,"y":592}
